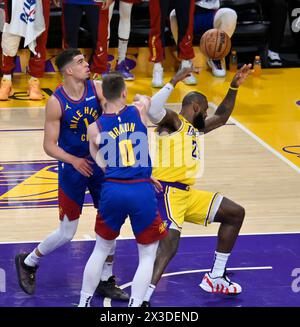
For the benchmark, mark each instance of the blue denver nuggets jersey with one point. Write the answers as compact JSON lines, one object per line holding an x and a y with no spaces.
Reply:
{"x":76,"y":116}
{"x":124,"y":145}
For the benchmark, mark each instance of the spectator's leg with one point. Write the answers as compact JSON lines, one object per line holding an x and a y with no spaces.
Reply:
{"x":10,"y":44}
{"x":123,"y":34}
{"x":185,"y":17}
{"x":174,"y":25}
{"x":276,"y":11}
{"x":110,"y":13}
{"x":158,"y":15}
{"x":98,"y":23}
{"x":225,"y":19}
{"x":37,"y":62}
{"x":124,"y":29}
{"x":185,"y":23}
{"x":71,"y":18}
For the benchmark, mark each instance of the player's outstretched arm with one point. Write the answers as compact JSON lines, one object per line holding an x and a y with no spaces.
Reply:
{"x":225,"y":109}
{"x":157,"y":113}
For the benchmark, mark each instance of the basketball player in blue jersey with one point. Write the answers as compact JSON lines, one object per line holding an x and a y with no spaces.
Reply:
{"x":72,"y":107}
{"x":119,"y":144}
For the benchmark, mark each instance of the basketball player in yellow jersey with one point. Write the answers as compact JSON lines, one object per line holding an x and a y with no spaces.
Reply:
{"x":179,"y":202}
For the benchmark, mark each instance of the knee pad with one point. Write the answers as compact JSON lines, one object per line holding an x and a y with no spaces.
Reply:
{"x":10,"y":44}
{"x":226,"y":19}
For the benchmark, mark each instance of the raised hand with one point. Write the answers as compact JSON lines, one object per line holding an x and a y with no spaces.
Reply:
{"x":241,"y":75}
{"x":181,"y":75}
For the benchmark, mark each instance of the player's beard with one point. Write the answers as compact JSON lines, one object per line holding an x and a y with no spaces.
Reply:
{"x":199,"y":121}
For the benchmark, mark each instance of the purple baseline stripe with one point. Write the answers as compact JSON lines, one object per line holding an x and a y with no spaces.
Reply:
{"x":60,"y":274}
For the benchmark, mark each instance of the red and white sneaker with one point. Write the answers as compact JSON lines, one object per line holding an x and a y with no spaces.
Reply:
{"x":221,"y":285}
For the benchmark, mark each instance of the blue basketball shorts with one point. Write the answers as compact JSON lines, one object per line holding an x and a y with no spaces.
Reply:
{"x":72,"y":186}
{"x":133,"y":198}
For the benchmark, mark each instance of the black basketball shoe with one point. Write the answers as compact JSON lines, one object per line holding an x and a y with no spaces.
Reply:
{"x":26,"y":274}
{"x":110,"y":289}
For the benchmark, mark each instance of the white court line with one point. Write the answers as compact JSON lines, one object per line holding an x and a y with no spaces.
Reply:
{"x":265,"y":145}
{"x":206,"y":270}
{"x":132,"y":237}
{"x":247,"y":131}
{"x":88,"y":237}
{"x":107,"y":301}
{"x":259,"y":140}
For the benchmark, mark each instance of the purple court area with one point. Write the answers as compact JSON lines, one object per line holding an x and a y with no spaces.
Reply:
{"x":262,"y":264}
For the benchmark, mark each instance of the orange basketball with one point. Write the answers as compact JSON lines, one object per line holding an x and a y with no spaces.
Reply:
{"x":215,"y":44}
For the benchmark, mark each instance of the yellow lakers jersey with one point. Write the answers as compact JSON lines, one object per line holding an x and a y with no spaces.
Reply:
{"x":177,"y":155}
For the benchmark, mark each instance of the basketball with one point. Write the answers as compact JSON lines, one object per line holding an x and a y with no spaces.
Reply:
{"x":215,"y":44}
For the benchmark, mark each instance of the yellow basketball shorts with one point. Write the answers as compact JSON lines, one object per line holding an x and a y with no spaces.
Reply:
{"x":179,"y":203}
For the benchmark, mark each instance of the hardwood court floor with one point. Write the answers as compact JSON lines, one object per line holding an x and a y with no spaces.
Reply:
{"x":236,"y":164}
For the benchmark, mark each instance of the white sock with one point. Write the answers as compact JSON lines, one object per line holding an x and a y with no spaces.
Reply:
{"x":85,"y":299}
{"x":32,"y":259}
{"x":149,"y":292}
{"x":158,"y":66}
{"x":7,"y":76}
{"x":219,"y":264}
{"x":186,"y":64}
{"x":122,"y":49}
{"x":143,"y":275}
{"x":93,"y":268}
